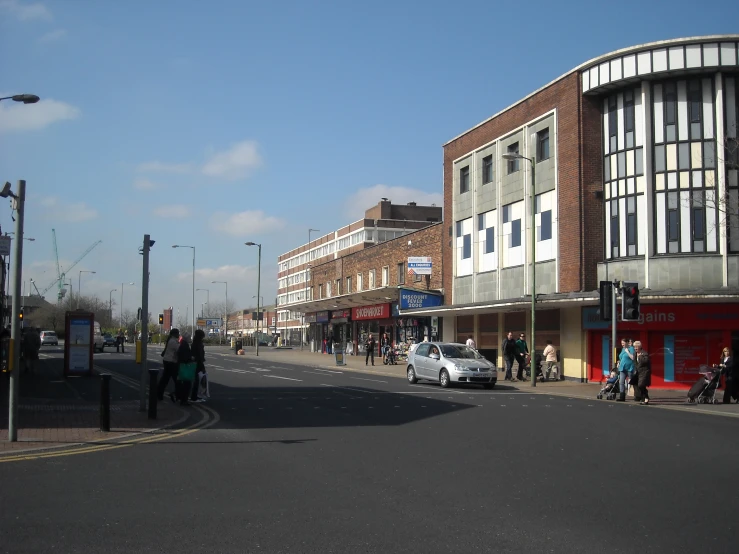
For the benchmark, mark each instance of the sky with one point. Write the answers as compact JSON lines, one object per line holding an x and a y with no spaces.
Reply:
{"x":211,"y":124}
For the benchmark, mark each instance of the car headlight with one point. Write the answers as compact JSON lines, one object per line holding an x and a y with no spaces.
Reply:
{"x":459,"y":368}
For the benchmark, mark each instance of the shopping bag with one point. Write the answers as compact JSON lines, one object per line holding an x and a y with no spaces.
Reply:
{"x":187,"y":371}
{"x":203,"y":387}
{"x":630,"y":391}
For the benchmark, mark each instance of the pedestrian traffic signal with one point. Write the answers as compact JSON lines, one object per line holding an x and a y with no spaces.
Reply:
{"x":161,"y":319}
{"x":20,"y":315}
{"x":606,"y":300}
{"x":630,"y":302}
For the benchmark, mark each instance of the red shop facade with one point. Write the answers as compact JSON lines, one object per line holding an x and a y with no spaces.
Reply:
{"x":375,"y":320}
{"x":680,"y":338}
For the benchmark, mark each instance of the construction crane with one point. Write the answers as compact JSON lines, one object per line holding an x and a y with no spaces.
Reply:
{"x":61,"y":275}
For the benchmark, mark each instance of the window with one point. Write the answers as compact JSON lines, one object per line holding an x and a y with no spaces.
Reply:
{"x":673,"y":218}
{"x":699,"y":222}
{"x":546,"y":226}
{"x":513,"y":165}
{"x":487,"y":169}
{"x":631,"y":225}
{"x":612,"y":123}
{"x":401,"y":273}
{"x":542,"y":145}
{"x":615,"y":235}
{"x":372,"y":279}
{"x":328,"y":289}
{"x":464,"y":180}
{"x":360,"y":282}
{"x":459,"y":229}
{"x":348,"y":285}
{"x":320,"y":291}
{"x":629,"y":117}
{"x":489,"y":240}
{"x":506,"y":213}
{"x":338,"y":287}
{"x":480,"y":222}
{"x":385,"y":276}
{"x":467,"y":247}
{"x":670,"y":104}
{"x":515,"y":233}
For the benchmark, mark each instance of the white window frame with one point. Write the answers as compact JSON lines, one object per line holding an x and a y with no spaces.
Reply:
{"x":386,"y":276}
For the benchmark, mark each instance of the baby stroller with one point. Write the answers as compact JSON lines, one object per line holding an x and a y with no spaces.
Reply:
{"x":611,"y":388}
{"x":390,"y":357}
{"x":704,"y":391}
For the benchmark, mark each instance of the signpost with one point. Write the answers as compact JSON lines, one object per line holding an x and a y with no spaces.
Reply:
{"x":420,"y":265}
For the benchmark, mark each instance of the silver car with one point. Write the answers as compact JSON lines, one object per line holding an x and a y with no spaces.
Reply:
{"x":448,"y":363}
{"x":49,"y":337}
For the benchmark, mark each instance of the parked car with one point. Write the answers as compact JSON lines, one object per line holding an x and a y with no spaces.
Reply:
{"x":50,"y":338}
{"x":108,"y":340}
{"x":98,"y":343}
{"x":448,"y":363}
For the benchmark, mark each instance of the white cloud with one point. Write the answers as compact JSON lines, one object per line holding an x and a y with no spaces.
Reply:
{"x":161,"y":167}
{"x":25,"y":12}
{"x":53,"y":36}
{"x":70,"y":213}
{"x":229,"y":273}
{"x":16,"y":116}
{"x":356,"y":204}
{"x":244,"y":224}
{"x":145,"y":184}
{"x":175,"y":211}
{"x":235,"y":163}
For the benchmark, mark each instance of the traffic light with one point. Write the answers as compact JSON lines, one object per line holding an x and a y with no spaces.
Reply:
{"x":630,"y":302}
{"x":606,"y":300}
{"x":20,"y":315}
{"x":161,"y":319}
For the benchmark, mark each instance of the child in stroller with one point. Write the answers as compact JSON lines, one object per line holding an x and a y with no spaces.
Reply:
{"x":610,"y":389}
{"x":704,"y":391}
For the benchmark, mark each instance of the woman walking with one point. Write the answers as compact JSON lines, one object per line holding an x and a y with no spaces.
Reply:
{"x":184,"y":356}
{"x":169,"y":361}
{"x":625,"y":368}
{"x":731,"y":376}
{"x":643,"y":373}
{"x":198,"y":355}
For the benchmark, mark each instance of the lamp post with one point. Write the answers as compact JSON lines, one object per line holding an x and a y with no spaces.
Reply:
{"x":25,"y":98}
{"x":79,"y":285}
{"x":121,"y":306}
{"x":259,"y":277}
{"x":207,"y":301}
{"x":193,"y":281}
{"x":225,"y":311}
{"x":304,"y":334}
{"x":532,"y":161}
{"x":110,"y":304}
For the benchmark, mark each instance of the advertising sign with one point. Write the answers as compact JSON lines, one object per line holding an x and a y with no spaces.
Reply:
{"x":208,"y":323}
{"x":419,"y":265}
{"x":380,"y":311}
{"x":669,"y":317}
{"x":309,"y":318}
{"x":322,"y":317}
{"x":410,"y":299}
{"x":78,"y":343}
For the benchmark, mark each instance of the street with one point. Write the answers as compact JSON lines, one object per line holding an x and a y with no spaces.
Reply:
{"x":303,"y":459}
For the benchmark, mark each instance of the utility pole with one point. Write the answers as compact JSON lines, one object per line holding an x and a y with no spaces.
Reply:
{"x":613,"y":320}
{"x":15,"y":326}
{"x":144,"y":377}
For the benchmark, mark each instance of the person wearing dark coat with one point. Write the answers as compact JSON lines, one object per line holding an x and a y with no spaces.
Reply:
{"x":169,"y":362}
{"x":198,"y":355}
{"x":184,"y":356}
{"x":643,"y":374}
{"x":730,"y":371}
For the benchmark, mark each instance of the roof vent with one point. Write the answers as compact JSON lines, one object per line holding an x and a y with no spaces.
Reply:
{"x":411,"y":203}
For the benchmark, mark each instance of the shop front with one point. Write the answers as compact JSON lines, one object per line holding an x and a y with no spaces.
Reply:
{"x":416,"y":328}
{"x":318,"y":330}
{"x":681,"y":339}
{"x":375,"y":320}
{"x":339,"y":328}
{"x":310,"y":321}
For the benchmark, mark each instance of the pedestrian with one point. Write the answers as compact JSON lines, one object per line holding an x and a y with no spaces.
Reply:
{"x":550,"y":355}
{"x":120,"y":344}
{"x":31,"y":346}
{"x":471,"y":342}
{"x":643,"y":373}
{"x":169,"y":362}
{"x":385,"y":345}
{"x":731,"y":372}
{"x":625,"y":367}
{"x":370,"y":346}
{"x":198,"y":355}
{"x":509,"y":353}
{"x":522,"y":351}
{"x":184,"y":356}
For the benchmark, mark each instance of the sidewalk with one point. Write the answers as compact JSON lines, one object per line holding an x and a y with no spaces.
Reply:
{"x":674,"y":399}
{"x":54,"y":412}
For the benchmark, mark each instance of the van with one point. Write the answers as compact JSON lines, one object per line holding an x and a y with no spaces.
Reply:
{"x":98,"y":342}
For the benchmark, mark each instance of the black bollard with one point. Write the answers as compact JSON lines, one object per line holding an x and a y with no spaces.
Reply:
{"x":153,"y":393}
{"x":105,"y":402}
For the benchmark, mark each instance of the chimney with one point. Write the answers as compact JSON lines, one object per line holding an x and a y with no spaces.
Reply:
{"x":411,"y":203}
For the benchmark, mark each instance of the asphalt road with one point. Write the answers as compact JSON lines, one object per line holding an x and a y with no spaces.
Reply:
{"x":309,"y":460}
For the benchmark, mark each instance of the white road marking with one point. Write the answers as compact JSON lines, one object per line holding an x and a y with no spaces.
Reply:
{"x":286,"y":378}
{"x":373,"y":380}
{"x":326,"y":370}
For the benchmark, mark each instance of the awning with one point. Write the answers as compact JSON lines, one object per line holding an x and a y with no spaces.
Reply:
{"x":381,"y":295}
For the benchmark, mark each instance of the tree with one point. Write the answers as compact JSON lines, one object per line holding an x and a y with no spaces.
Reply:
{"x":220,"y":309}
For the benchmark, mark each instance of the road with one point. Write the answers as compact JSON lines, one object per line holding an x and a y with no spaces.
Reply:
{"x":309,"y":460}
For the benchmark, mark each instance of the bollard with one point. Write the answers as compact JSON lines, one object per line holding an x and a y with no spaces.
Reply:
{"x":153,"y":393}
{"x":105,"y":402}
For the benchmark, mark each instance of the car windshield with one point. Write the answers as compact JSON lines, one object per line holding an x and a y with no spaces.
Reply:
{"x":451,"y":351}
{"x":49,"y":334}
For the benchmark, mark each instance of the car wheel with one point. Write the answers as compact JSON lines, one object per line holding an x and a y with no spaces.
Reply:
{"x":412,"y":375}
{"x":444,"y":379}
{"x":489,"y":386}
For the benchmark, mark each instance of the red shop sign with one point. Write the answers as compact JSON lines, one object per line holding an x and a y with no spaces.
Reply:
{"x":672,"y":317}
{"x":380,"y":311}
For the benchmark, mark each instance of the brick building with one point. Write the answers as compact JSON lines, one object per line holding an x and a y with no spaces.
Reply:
{"x":383,"y":222}
{"x":635,"y":179}
{"x":360,"y":293}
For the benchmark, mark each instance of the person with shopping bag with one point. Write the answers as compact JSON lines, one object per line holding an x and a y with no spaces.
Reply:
{"x":169,"y":363}
{"x":199,"y":390}
{"x":186,"y":369}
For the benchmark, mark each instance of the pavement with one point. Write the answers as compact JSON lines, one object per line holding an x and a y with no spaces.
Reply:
{"x":307,"y":457}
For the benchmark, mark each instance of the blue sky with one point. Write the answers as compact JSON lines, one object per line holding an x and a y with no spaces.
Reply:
{"x":215,"y":123}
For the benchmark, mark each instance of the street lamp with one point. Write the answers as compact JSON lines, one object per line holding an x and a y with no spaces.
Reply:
{"x":304,"y":333}
{"x":121,"y":306}
{"x":193,"y":281}
{"x":110,"y":304}
{"x":259,"y":276}
{"x":225,"y":310}
{"x":25,"y":98}
{"x":532,"y":161}
{"x":207,"y":302}
{"x":79,"y":285}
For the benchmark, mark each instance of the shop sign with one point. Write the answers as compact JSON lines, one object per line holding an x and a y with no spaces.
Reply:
{"x":310,"y":318}
{"x":668,"y":317}
{"x":340,"y":314}
{"x":411,"y":299}
{"x":322,"y":317}
{"x":419,"y":265}
{"x":380,"y":311}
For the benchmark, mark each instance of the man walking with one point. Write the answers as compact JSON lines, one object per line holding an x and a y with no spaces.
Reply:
{"x":370,"y":346}
{"x":471,"y":342}
{"x":120,"y":342}
{"x":509,"y":353}
{"x":522,"y":350}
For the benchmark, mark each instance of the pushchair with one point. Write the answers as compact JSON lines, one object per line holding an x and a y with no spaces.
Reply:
{"x":704,"y":390}
{"x":390,"y":357}
{"x":611,"y":388}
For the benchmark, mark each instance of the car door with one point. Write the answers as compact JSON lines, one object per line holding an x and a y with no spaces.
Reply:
{"x":420,"y":359}
{"x":433,"y":366}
